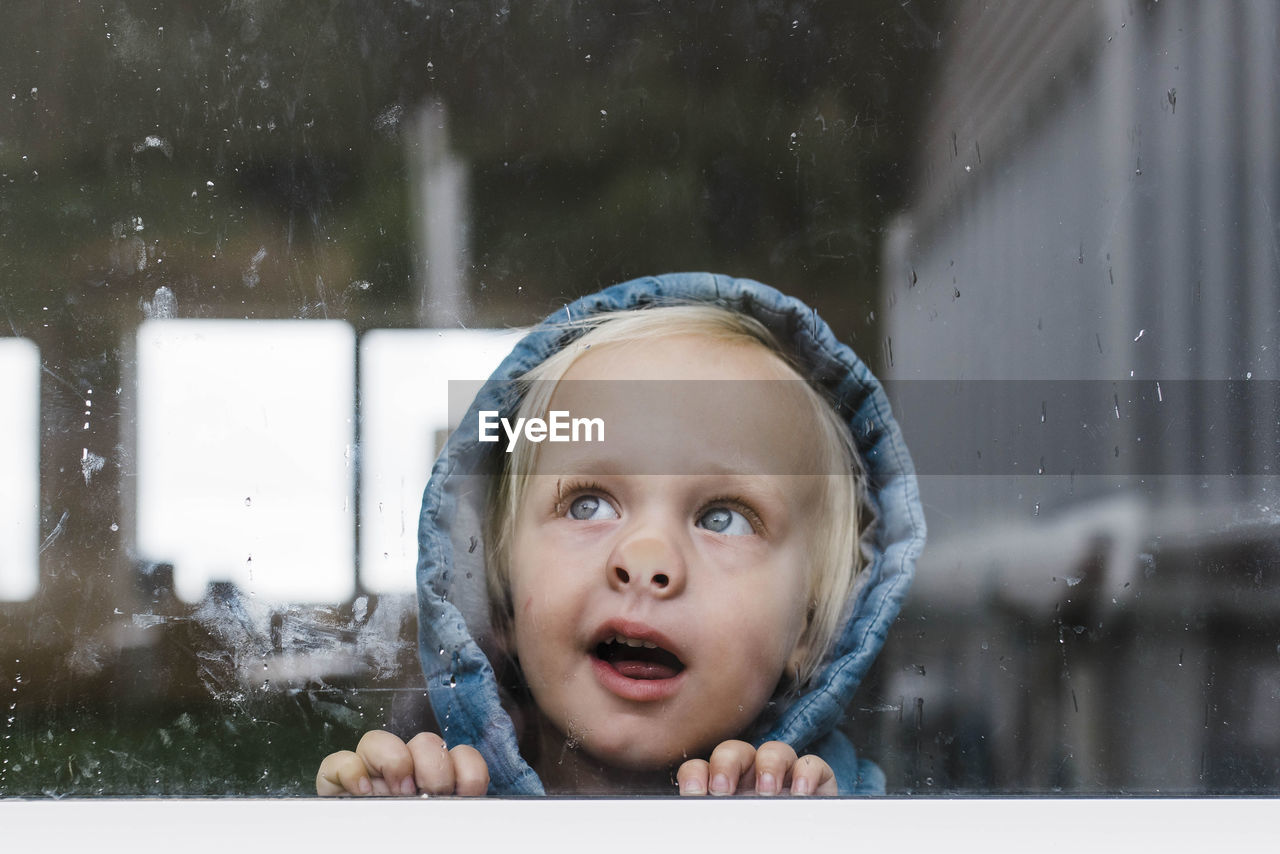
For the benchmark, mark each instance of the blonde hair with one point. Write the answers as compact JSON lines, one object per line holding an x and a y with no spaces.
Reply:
{"x":835,"y":559}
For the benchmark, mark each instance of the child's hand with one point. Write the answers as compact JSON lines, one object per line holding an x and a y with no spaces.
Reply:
{"x":382,"y":764}
{"x":736,"y":766}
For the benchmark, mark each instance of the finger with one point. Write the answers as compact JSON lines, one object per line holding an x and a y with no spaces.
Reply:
{"x":342,"y":773}
{"x":470,"y":772}
{"x":811,"y":775}
{"x":773,"y":767}
{"x":693,"y":777}
{"x":381,"y":789}
{"x":387,"y":757}
{"x":732,"y":767}
{"x":432,"y":769}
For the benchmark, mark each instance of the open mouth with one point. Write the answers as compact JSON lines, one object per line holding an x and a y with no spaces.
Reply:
{"x":638,"y":659}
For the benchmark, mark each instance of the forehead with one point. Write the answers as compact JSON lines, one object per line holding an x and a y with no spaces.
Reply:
{"x":681,"y":357}
{"x":685,"y":405}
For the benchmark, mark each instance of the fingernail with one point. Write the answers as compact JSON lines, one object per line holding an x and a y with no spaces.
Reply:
{"x":720,"y":785}
{"x":365,"y":787}
{"x":767,"y":784}
{"x":692,"y":787}
{"x":802,"y":786}
{"x":407,"y":787}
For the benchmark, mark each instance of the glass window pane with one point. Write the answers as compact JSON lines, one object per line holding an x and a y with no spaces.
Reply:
{"x":243,"y":251}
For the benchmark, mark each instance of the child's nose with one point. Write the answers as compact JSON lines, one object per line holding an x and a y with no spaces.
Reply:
{"x":647,"y":564}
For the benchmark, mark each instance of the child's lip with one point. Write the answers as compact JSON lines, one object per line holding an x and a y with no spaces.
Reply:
{"x":637,"y":690}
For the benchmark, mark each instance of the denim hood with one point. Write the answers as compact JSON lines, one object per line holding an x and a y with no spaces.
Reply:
{"x":453,"y":608}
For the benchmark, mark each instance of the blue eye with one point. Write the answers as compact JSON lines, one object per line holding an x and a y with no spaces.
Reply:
{"x":722,"y":520}
{"x":589,"y":508}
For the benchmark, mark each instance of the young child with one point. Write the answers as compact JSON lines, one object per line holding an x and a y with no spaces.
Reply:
{"x":688,"y":594}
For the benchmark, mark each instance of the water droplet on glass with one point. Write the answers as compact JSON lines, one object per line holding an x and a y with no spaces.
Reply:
{"x":248,"y":501}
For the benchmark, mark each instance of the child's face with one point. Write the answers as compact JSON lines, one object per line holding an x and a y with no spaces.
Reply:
{"x":700,"y":570}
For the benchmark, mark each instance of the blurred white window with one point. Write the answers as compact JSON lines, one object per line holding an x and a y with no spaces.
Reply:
{"x":245,"y":455}
{"x":19,"y":468}
{"x":404,"y":416}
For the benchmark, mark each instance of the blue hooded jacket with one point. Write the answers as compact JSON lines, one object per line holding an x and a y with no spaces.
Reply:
{"x":453,"y":607}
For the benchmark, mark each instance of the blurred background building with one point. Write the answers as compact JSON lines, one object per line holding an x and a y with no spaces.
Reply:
{"x":243,"y":251}
{"x":1081,"y":300}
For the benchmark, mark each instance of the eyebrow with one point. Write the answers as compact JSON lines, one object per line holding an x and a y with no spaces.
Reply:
{"x":569,"y":463}
{"x":594,"y":461}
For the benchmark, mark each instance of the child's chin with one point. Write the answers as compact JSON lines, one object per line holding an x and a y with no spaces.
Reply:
{"x":640,"y":755}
